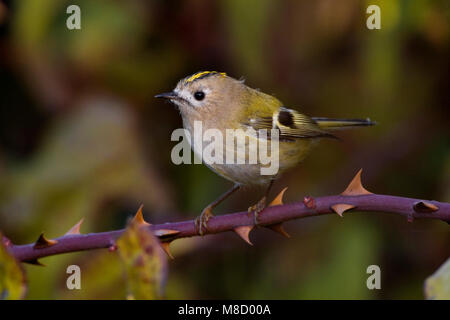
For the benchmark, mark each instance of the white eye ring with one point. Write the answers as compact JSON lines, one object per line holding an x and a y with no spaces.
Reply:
{"x":199,"y":95}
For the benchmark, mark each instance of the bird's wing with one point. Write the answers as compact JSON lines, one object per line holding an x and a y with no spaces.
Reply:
{"x":290,"y":123}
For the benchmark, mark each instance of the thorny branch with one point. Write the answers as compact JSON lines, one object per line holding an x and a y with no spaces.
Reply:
{"x":355,"y":197}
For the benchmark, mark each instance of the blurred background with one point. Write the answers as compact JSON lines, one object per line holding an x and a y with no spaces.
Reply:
{"x":82,"y":136}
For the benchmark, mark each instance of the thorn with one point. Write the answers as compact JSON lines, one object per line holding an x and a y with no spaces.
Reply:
{"x":112,"y":248}
{"x":309,"y":202}
{"x":166,"y":247}
{"x":340,"y":208}
{"x":165,"y":232}
{"x":278,"y":201}
{"x":35,"y":262}
{"x":6,"y":242}
{"x":355,"y":188}
{"x":425,"y":207}
{"x":410,"y":218}
{"x":278,"y":227}
{"x":139,"y":217}
{"x":243,"y":232}
{"x":43,"y":242}
{"x":76,"y":228}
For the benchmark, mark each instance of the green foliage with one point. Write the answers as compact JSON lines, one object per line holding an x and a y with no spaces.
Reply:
{"x":12,"y":277}
{"x":145,"y":262}
{"x":97,"y":157}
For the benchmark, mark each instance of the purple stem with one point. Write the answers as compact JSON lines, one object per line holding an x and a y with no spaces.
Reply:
{"x":227,"y":222}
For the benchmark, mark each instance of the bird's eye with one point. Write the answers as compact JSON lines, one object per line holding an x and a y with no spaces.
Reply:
{"x":199,"y":95}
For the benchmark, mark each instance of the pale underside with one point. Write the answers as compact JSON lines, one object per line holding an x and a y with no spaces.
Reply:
{"x":247,"y":164}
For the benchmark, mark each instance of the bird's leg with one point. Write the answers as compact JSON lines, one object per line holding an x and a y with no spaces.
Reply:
{"x":261,"y":204}
{"x":201,"y":223}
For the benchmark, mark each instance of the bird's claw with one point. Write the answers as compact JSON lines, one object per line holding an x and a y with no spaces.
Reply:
{"x":201,"y":222}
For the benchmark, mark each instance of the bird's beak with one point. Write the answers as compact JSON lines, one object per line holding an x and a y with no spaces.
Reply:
{"x":167,"y":95}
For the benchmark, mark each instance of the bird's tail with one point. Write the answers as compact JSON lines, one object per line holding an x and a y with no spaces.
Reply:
{"x":328,"y":123}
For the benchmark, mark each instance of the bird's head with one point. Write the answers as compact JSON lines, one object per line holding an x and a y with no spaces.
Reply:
{"x":205,"y":94}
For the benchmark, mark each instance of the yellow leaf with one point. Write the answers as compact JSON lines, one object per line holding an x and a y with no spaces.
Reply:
{"x":12,"y":277}
{"x":144,"y":260}
{"x":437,"y":286}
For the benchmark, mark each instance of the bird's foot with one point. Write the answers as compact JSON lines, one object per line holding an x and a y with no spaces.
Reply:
{"x":201,"y":222}
{"x":257,"y":209}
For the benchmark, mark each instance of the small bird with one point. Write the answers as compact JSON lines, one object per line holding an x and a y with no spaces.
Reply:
{"x":221,"y":102}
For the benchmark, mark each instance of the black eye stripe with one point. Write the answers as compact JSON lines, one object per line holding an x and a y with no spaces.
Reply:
{"x":199,"y":95}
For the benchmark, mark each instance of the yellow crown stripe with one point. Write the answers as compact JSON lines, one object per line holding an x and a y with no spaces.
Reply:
{"x":201,"y":74}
